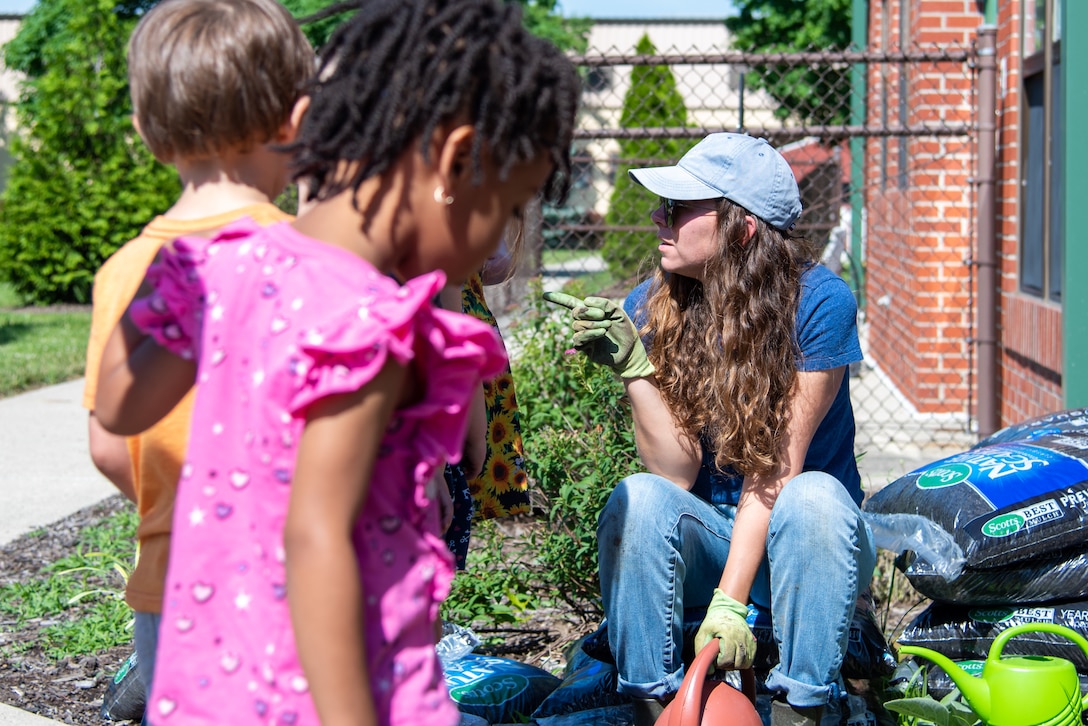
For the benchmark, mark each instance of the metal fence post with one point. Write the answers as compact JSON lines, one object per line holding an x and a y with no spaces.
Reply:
{"x":986,"y":337}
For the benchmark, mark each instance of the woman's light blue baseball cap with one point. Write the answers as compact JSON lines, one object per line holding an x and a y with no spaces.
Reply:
{"x":744,"y":169}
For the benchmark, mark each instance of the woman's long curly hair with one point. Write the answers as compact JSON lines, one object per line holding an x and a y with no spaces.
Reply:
{"x":725,"y":349}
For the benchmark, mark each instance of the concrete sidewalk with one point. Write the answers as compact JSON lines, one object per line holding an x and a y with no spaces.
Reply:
{"x":11,"y":716}
{"x":45,"y":475}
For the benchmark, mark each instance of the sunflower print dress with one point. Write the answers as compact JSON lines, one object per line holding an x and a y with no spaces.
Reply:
{"x":501,"y":489}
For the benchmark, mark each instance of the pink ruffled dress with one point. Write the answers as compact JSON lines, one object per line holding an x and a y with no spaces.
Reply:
{"x":276,"y":321}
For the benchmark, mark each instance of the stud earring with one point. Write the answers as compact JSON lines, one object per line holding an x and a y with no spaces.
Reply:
{"x":441,"y":197}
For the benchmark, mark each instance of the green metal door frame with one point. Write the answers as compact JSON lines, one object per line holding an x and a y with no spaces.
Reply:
{"x":1074,"y":211}
{"x":859,"y":89}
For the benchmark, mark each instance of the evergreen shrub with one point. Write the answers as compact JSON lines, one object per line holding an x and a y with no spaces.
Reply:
{"x":82,"y":182}
{"x":652,"y":101}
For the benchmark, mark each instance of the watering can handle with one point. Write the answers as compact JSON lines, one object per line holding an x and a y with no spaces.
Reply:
{"x":691,"y":690}
{"x":1006,"y":635}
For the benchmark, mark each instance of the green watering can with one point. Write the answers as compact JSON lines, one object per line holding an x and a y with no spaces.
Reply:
{"x":1029,"y":690}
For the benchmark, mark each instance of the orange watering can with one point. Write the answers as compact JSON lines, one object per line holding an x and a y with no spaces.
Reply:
{"x":701,"y":702}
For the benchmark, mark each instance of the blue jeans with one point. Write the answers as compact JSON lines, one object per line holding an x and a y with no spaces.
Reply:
{"x":146,"y":636}
{"x":662,"y":549}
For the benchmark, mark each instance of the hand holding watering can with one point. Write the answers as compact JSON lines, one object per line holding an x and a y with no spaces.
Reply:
{"x":700,"y":701}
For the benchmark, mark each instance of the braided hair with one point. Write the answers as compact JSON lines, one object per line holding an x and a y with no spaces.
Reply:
{"x":397,"y":70}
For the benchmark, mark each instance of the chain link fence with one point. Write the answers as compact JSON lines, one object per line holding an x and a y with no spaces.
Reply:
{"x":877,"y":170}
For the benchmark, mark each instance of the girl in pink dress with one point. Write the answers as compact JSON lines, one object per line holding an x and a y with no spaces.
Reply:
{"x":307,"y":563}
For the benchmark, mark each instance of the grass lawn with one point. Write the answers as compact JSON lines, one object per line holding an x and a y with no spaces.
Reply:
{"x":8,"y":297}
{"x":40,"y":347}
{"x":560,"y":256}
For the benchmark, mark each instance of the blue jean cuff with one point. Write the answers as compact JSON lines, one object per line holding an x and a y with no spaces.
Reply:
{"x":660,"y":689}
{"x":802,"y":695}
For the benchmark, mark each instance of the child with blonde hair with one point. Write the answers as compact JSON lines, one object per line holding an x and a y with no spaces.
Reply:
{"x":213,"y":83}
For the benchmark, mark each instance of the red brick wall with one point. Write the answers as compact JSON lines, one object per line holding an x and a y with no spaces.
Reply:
{"x":918,"y":285}
{"x":1030,"y":329}
{"x":918,"y":233}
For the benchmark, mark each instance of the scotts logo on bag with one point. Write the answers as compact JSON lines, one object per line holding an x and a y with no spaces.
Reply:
{"x":1009,"y":523}
{"x":945,"y":475}
{"x":490,"y":691}
{"x":972,"y":667}
{"x":990,"y":615}
{"x":1003,"y":526}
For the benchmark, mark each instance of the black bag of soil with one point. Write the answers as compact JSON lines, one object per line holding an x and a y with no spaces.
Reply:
{"x":1018,"y":510}
{"x":126,"y":694}
{"x":587,"y":684}
{"x":497,"y":689}
{"x":1052,"y":423}
{"x":967,"y":633}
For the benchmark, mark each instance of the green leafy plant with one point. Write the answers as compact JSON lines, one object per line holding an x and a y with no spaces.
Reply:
{"x":82,"y":182}
{"x":543,"y":18}
{"x":815,"y":93}
{"x":579,"y":443}
{"x":496,"y":587}
{"x":949,"y":711}
{"x":916,"y":707}
{"x":81,"y":595}
{"x":8,"y":297}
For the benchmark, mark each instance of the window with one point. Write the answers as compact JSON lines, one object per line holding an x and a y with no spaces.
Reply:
{"x":598,"y":78}
{"x":1041,"y":232}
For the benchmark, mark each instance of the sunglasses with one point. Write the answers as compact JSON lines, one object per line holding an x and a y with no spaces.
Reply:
{"x":671,"y":205}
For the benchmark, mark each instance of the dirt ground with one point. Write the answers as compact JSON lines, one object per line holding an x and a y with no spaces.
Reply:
{"x":71,"y":690}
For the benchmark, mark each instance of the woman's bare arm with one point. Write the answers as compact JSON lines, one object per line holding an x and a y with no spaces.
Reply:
{"x":816,"y":391}
{"x":664,"y":449}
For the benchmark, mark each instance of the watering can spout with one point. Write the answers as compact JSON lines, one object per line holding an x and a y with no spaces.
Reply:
{"x":976,"y":691}
{"x":999,"y":695}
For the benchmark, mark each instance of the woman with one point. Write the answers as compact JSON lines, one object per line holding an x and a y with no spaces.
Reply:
{"x":743,"y":422}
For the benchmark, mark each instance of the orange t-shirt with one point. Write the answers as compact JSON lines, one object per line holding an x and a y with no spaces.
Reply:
{"x":157,"y":453}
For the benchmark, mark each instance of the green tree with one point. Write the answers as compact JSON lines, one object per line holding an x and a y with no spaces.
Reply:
{"x":82,"y":182}
{"x":542,"y":18}
{"x":652,"y":100}
{"x":814,"y":93}
{"x":323,"y":23}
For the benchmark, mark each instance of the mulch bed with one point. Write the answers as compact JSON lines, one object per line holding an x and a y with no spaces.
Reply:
{"x":69,"y":690}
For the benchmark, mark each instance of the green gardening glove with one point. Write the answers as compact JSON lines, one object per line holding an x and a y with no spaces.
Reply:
{"x":726,"y":620}
{"x":605,"y":334}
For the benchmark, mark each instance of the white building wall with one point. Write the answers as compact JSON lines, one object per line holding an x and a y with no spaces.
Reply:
{"x":9,"y":80}
{"x":712,"y":93}
{"x":9,"y":94}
